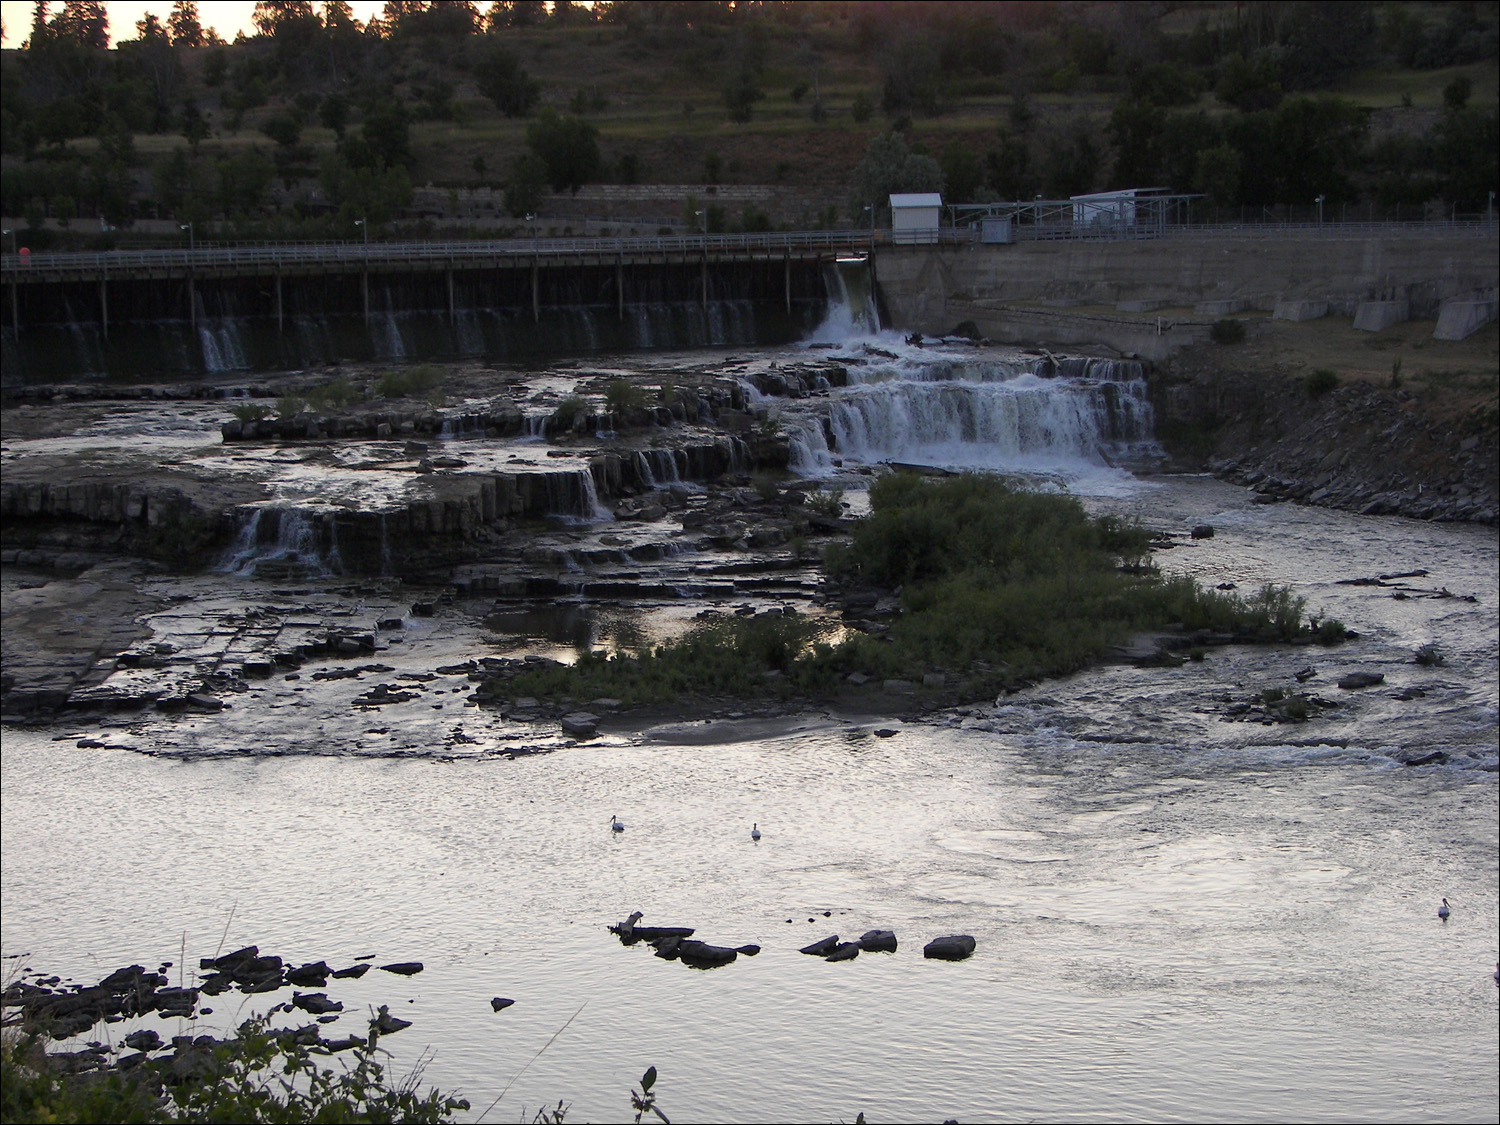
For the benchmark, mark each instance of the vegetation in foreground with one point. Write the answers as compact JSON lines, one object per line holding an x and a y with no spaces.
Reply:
{"x":998,"y":587}
{"x":258,"y":1075}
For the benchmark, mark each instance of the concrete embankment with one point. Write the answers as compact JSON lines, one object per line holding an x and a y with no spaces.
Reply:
{"x":1018,"y":293}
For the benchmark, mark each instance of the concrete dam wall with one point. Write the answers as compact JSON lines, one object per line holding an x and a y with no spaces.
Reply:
{"x":930,"y":289}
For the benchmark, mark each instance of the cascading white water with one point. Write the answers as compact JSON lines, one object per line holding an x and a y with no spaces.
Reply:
{"x":1024,"y":423}
{"x":953,"y":407}
{"x":851,"y":303}
{"x":296,"y":540}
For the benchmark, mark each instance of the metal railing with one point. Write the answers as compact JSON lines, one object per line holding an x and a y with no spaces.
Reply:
{"x":271,"y":257}
{"x":359,"y":254}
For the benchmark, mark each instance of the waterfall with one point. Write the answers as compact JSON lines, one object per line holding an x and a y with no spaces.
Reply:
{"x":657,"y":468}
{"x":851,"y":302}
{"x":276,"y":541}
{"x":1025,"y":422}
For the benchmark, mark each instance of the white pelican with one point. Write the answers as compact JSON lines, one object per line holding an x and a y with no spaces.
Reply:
{"x":755,"y":832}
{"x":1443,"y":911}
{"x":614,"y":823}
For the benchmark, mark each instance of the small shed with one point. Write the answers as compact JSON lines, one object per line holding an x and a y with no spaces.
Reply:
{"x":915,"y":218}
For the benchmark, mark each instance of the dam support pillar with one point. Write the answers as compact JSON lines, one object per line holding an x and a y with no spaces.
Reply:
{"x":279,"y":317}
{"x":452,"y":314}
{"x":364,"y":292}
{"x":104,"y":307}
{"x":620,"y":287}
{"x":787,"y":278}
{"x":536,"y":293}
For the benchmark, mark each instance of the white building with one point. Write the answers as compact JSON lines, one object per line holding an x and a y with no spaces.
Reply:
{"x":915,"y":218}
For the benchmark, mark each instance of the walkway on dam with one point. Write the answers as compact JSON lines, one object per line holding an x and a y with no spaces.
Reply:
{"x":348,"y":257}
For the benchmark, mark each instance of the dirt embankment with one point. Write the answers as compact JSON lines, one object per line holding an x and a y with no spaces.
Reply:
{"x":1405,"y":424}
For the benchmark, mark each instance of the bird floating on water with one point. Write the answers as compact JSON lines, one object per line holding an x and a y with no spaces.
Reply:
{"x":755,"y":832}
{"x":1443,"y":911}
{"x":614,"y":823}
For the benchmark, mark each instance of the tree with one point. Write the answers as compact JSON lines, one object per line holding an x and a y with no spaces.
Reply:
{"x":1249,"y":84}
{"x":741,"y":94}
{"x":913,"y":77}
{"x":386,"y":136}
{"x":1218,"y":175}
{"x":334,"y":114}
{"x":527,"y":185}
{"x":569,"y":147}
{"x":1456,"y":93}
{"x":183,"y":24}
{"x":499,"y":76}
{"x":193,"y":124}
{"x":40,"y":31}
{"x":1008,"y":168}
{"x":273,"y":17}
{"x":84,"y":22}
{"x":1467,"y":141}
{"x":890,"y":167}
{"x":285,"y":128}
{"x":963,"y":173}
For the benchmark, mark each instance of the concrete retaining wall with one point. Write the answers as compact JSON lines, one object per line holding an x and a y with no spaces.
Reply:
{"x":927,"y":289}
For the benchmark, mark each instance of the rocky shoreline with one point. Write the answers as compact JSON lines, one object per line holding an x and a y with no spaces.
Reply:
{"x":1358,"y":447}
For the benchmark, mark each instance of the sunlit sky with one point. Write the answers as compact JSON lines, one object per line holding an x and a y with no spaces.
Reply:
{"x":227,"y":17}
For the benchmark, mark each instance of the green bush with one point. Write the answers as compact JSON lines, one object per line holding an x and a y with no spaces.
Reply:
{"x":568,"y":414}
{"x":259,"y":1075}
{"x":1228,"y":331}
{"x":828,"y":503}
{"x":623,"y":399}
{"x":250,"y":411}
{"x":1320,"y":382}
{"x":1022,"y":583}
{"x":421,"y":380}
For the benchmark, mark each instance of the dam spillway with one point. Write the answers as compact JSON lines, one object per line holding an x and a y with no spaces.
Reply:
{"x":128,"y":314}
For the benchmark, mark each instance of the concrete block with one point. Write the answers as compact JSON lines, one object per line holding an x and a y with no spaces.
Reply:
{"x":1300,"y":310}
{"x":1219,"y":308}
{"x":1459,"y":320}
{"x":1374,"y":316}
{"x":1145,"y":306}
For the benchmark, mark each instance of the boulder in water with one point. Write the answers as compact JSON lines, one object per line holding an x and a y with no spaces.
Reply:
{"x":954,"y":947}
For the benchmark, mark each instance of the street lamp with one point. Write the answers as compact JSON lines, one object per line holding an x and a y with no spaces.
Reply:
{"x":189,"y":228}
{"x":1319,"y":202}
{"x":10,"y":234}
{"x":870,"y":211}
{"x":365,"y":227}
{"x":704,"y":223}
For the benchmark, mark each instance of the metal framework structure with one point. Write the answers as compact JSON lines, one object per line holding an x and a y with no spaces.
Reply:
{"x":1144,"y":213}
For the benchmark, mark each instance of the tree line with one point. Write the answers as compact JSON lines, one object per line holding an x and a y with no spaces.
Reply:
{"x":1239,"y":106}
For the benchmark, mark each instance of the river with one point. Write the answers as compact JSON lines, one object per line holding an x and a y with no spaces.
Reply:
{"x":1179,"y":915}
